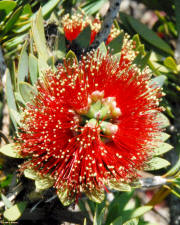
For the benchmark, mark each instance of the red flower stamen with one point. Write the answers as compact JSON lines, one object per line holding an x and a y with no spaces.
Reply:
{"x":92,"y":124}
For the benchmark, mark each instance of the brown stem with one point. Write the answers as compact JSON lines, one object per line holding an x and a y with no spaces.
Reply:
{"x":107,"y":23}
{"x":3,"y":136}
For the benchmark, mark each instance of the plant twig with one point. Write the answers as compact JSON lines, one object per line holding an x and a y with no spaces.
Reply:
{"x":107,"y":23}
{"x":3,"y":136}
{"x":2,"y":64}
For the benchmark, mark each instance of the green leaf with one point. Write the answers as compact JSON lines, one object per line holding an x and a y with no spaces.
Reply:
{"x":39,"y":36}
{"x":133,"y":213}
{"x":119,"y":186}
{"x":149,"y":35}
{"x":141,"y":211}
{"x":6,"y":201}
{"x":132,"y":222}
{"x":60,"y":46}
{"x":162,"y":148}
{"x":163,"y":120}
{"x":137,"y":59}
{"x":177,"y":181}
{"x":156,"y":163}
{"x":85,"y":223}
{"x":23,"y":64}
{"x":31,"y":174}
{"x":163,"y":136}
{"x":145,"y":60}
{"x":33,"y":68}
{"x":12,"y":20}
{"x":98,"y":219}
{"x":10,"y":150}
{"x":116,"y":43}
{"x":177,"y":10}
{"x":92,"y":7}
{"x":16,"y":116}
{"x":171,"y":64}
{"x":102,"y":49}
{"x":27,"y":91}
{"x":49,"y":6}
{"x":42,"y":66}
{"x":84,"y":37}
{"x":15,"y":212}
{"x":64,"y":197}
{"x":117,"y":205}
{"x":117,"y":221}
{"x":19,"y":99}
{"x":71,"y":57}
{"x":137,"y":40}
{"x":5,"y":8}
{"x":10,"y":96}
{"x":159,"y":80}
{"x":44,"y":183}
{"x":96,"y":195}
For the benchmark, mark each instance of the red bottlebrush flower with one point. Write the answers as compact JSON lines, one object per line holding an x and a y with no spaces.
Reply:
{"x":75,"y":24}
{"x":92,"y":125}
{"x":95,"y":28}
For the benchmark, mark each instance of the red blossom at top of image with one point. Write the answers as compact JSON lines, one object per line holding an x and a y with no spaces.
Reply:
{"x":92,"y":125}
{"x":73,"y":25}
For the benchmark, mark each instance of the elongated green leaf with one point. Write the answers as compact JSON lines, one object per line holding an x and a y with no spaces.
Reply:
{"x":163,"y":120}
{"x":159,"y":80}
{"x":15,"y":212}
{"x":12,"y":20}
{"x":138,"y":59}
{"x":132,"y":222}
{"x":171,"y":64}
{"x":71,"y":57}
{"x":98,"y":219}
{"x":5,"y":8}
{"x":10,"y":96}
{"x":119,"y":186}
{"x":23,"y":64}
{"x":60,"y":46}
{"x":134,"y":213}
{"x":163,"y":136}
{"x":177,"y":10}
{"x":16,"y":116}
{"x":156,"y":163}
{"x":145,"y":60}
{"x":116,"y":43}
{"x":137,"y":40}
{"x":10,"y":150}
{"x":49,"y":6}
{"x":84,"y":37}
{"x":39,"y":36}
{"x":27,"y":91}
{"x":140,"y":211}
{"x":19,"y":99}
{"x":31,"y":174}
{"x":6,"y":201}
{"x":117,"y":206}
{"x":92,"y":7}
{"x":42,"y":66}
{"x":44,"y":183}
{"x":96,"y":195}
{"x":162,"y":148}
{"x":64,"y":197}
{"x":149,"y":35}
{"x":46,"y":9}
{"x":102,"y":49}
{"x":85,"y":223}
{"x":117,"y":221}
{"x":33,"y":68}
